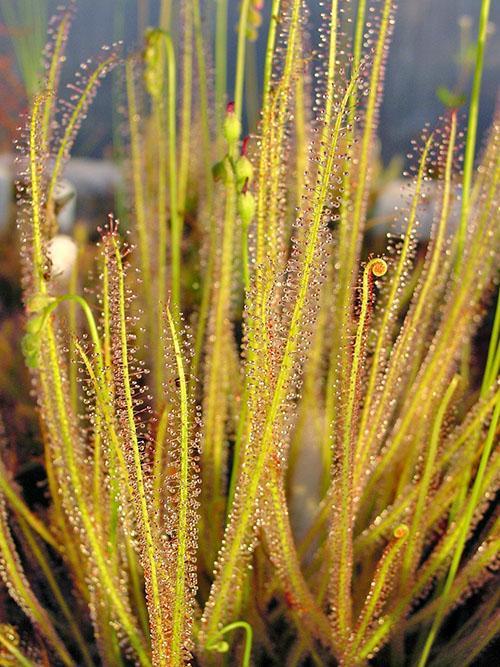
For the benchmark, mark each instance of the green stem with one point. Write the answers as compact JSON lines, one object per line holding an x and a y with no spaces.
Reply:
{"x":493,"y":359}
{"x":14,"y":577}
{"x":165,"y":14}
{"x":36,"y":201}
{"x":175,"y":219}
{"x":332,"y":63}
{"x":15,"y":653}
{"x":159,"y":113}
{"x":379,"y":587}
{"x":138,"y":189}
{"x":216,"y":384}
{"x":220,"y":57}
{"x":463,"y":532}
{"x":217,"y":645}
{"x":23,"y":511}
{"x":55,"y":64}
{"x":358,"y":33}
{"x":73,"y":121}
{"x":58,"y":595}
{"x":205,"y":123}
{"x":470,"y":146}
{"x":156,"y":618}
{"x":271,"y":39}
{"x":240,"y":59}
{"x":138,"y":185}
{"x":366,"y":143}
{"x":186,"y":111}
{"x":375,"y":266}
{"x":180,"y":616}
{"x":416,"y":530}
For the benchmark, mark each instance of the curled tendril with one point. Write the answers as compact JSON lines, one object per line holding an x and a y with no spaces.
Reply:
{"x":216,"y":643}
{"x":376,"y":266}
{"x":39,"y":308}
{"x":401,"y":532}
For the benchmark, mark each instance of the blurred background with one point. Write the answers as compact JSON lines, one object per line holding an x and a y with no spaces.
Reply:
{"x":429,"y":53}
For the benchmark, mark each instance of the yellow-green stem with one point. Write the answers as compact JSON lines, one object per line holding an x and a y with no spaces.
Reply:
{"x":179,"y":616}
{"x":470,"y":146}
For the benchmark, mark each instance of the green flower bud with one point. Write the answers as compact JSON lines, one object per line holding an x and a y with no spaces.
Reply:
{"x":246,"y":207}
{"x":254,"y":20}
{"x":153,"y":60}
{"x":31,"y":342}
{"x":221,"y":171}
{"x":244,"y":171}
{"x":30,"y":347}
{"x":252,"y":34}
{"x":254,"y":17}
{"x":38,"y":302}
{"x":35,"y":323}
{"x":39,"y":307}
{"x":232,"y":125}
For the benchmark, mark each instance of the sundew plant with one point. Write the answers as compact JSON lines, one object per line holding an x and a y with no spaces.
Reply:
{"x":265,"y":440}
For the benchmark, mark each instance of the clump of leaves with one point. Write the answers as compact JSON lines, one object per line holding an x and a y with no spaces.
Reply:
{"x":241,"y":341}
